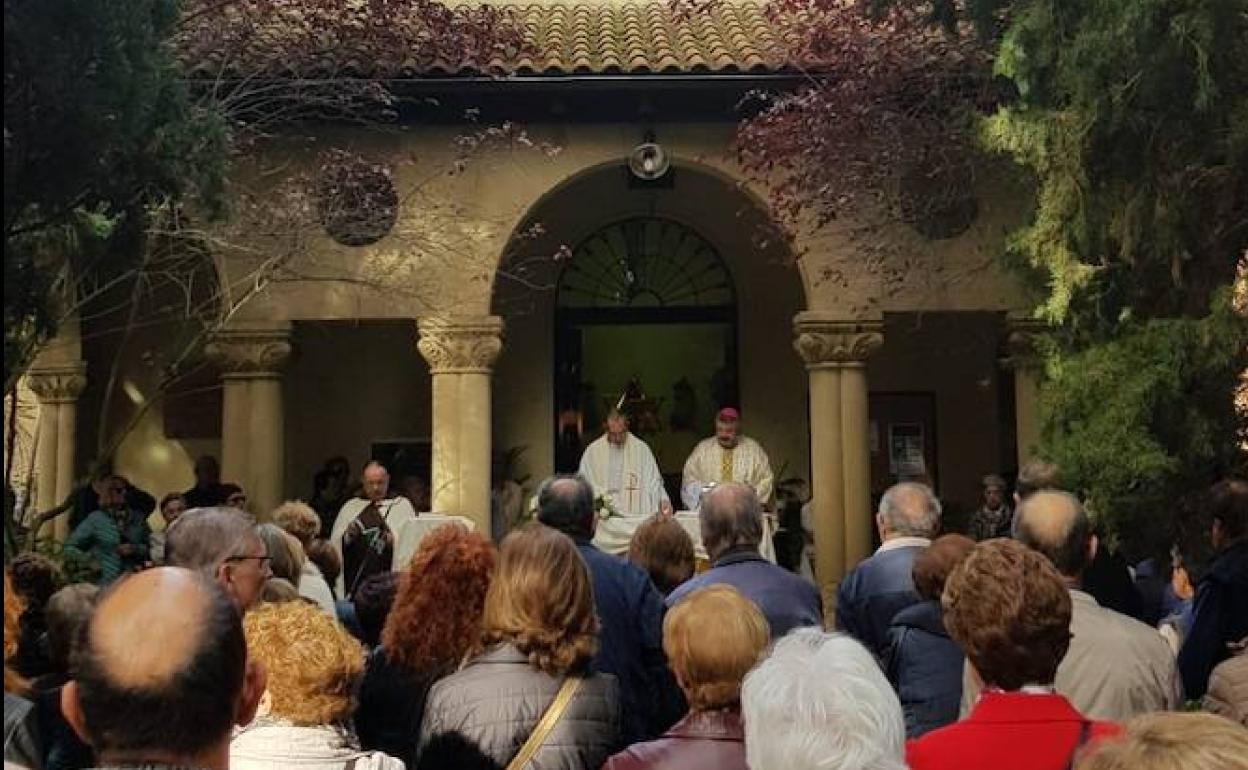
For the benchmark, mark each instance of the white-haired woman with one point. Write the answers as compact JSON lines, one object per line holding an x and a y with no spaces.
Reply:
{"x":820,"y":701}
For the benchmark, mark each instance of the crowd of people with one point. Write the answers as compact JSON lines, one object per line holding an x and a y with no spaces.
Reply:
{"x":222,"y":642}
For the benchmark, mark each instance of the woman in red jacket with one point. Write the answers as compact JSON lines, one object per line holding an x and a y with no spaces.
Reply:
{"x":1008,"y":609}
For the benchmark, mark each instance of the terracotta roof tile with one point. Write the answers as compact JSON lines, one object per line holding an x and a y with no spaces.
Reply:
{"x":578,"y":39}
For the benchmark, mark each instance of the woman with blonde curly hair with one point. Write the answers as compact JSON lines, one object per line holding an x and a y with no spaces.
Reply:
{"x":314,"y":667}
{"x":434,"y":621}
{"x":538,"y":638}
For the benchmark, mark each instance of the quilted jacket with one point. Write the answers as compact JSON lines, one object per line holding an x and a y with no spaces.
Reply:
{"x":481,"y":715}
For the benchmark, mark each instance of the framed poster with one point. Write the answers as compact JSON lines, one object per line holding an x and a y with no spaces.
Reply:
{"x":405,"y":457}
{"x":905,"y":450}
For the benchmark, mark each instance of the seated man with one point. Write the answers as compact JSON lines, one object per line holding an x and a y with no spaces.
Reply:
{"x":163,"y":676}
{"x":881,"y":585}
{"x":732,"y":527}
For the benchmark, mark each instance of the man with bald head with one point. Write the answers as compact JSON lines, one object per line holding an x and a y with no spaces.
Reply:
{"x":1116,"y":666}
{"x":881,"y":585}
{"x":221,"y":544}
{"x":162,"y":674}
{"x":366,"y":531}
{"x":731,"y":519}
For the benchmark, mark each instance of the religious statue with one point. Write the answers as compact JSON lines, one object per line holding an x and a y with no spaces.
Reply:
{"x":643,"y":411}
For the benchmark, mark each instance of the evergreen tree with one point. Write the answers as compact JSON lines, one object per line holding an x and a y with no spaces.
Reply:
{"x":1131,"y":119}
{"x":97,"y":128}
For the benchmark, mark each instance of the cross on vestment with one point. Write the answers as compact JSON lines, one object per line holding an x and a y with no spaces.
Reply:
{"x":631,"y":489}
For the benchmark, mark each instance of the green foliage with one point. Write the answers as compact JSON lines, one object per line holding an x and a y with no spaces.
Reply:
{"x":97,"y":127}
{"x":1144,"y":420}
{"x":1131,"y":117}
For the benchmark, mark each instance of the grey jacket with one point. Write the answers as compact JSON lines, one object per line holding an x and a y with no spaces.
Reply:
{"x":487,"y":709}
{"x":22,"y":746}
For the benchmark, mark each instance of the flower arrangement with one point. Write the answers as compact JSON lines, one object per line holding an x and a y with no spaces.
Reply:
{"x":604,"y":507}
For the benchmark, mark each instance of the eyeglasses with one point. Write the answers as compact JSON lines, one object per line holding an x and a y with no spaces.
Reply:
{"x":262,"y":561}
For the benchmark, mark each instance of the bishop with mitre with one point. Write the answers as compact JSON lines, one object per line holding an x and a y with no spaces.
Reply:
{"x":621,"y":468}
{"x":364,"y":533}
{"x":726,"y":456}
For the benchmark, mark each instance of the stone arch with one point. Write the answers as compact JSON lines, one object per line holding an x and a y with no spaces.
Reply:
{"x":749,"y":202}
{"x":767,"y":280}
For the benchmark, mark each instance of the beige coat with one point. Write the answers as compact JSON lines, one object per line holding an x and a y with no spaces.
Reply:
{"x":1228,"y":687}
{"x":1116,"y":667}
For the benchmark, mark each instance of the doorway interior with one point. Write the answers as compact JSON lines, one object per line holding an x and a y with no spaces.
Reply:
{"x":645,"y":319}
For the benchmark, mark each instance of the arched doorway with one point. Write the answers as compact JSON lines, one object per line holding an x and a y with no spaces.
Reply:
{"x":705,"y":265}
{"x":645,"y":319}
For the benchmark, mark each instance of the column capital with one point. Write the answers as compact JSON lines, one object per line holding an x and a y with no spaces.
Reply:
{"x":825,"y":342}
{"x":58,"y":384}
{"x":250,"y":352}
{"x":458,"y":345}
{"x":1018,"y":349}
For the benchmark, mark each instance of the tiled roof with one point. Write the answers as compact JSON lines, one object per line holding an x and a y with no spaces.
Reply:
{"x":645,"y":39}
{"x":588,"y":40}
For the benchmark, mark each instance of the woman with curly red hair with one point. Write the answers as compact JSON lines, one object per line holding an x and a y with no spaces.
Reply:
{"x":435,"y":620}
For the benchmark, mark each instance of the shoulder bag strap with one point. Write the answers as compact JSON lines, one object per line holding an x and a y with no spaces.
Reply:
{"x":547,"y":723}
{"x":1085,"y":730}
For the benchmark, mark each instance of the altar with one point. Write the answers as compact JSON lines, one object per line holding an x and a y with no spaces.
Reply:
{"x":410,"y":534}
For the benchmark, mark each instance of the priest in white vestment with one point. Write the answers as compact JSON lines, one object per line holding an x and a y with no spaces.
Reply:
{"x":726,"y":456}
{"x":621,"y":468}
{"x":365,"y":531}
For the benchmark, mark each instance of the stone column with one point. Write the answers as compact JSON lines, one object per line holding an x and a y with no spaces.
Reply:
{"x":253,"y":433}
{"x":461,"y":353}
{"x":1020,"y":357}
{"x":835,"y":352}
{"x":57,"y":388}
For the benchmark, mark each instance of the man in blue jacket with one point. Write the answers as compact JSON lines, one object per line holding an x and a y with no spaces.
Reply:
{"x":881,"y":585}
{"x":630,"y":615}
{"x":1220,"y":607}
{"x":731,"y":519}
